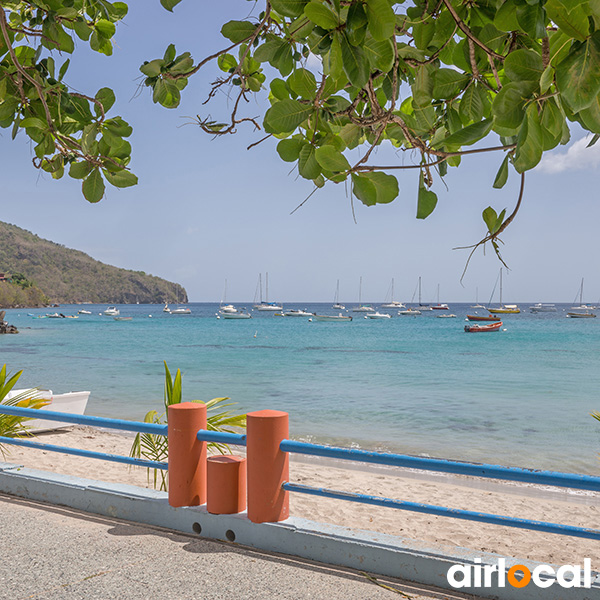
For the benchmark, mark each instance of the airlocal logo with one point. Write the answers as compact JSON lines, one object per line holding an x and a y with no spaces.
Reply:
{"x":520,"y":576}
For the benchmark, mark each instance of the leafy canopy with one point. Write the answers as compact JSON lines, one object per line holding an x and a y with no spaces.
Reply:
{"x":439,"y":78}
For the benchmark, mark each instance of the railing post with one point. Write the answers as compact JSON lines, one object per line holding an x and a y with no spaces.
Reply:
{"x":268,"y":466}
{"x":187,"y":455}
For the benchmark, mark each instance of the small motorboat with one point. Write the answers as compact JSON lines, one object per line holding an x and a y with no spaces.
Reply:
{"x":483,"y":318}
{"x":483,"y":328}
{"x":333,"y":318}
{"x":238,"y":314}
{"x":297,"y":313}
{"x":377,"y":315}
{"x":122,"y":318}
{"x":440,"y":307}
{"x":84,"y":312}
{"x":409,"y":311}
{"x":581,"y":315}
{"x":541,"y":307}
{"x":181,"y":310}
{"x":450,"y":316}
{"x":112,"y":311}
{"x":166,"y":308}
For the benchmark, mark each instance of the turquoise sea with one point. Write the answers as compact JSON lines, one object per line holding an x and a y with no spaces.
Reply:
{"x":416,"y":385}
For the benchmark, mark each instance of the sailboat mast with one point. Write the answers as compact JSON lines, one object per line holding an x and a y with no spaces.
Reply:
{"x":392,"y":301}
{"x":501,"y":286}
{"x":267,"y":289}
{"x":419,"y":291}
{"x":581,"y":294}
{"x":360,"y":292}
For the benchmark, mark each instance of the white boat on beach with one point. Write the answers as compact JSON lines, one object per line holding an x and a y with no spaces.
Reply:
{"x":112,"y":311}
{"x":71,"y":402}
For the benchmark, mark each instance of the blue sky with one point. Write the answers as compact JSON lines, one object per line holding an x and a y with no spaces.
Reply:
{"x":208,"y":210}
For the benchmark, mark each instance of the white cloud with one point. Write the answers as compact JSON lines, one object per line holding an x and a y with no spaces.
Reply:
{"x":576,"y":158}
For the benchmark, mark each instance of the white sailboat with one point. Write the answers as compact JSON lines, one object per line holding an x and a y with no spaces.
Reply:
{"x":223,"y":306}
{"x":503,"y":309}
{"x":421,"y":305}
{"x":361,"y":307}
{"x":392,"y":303}
{"x":583,"y":311}
{"x":336,"y":299}
{"x":266,"y":305}
{"x":439,"y":306}
{"x":477,"y":305}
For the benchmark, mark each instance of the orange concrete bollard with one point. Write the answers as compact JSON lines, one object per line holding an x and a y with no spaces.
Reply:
{"x":268,"y":466}
{"x":187,"y":455}
{"x":226,"y":491}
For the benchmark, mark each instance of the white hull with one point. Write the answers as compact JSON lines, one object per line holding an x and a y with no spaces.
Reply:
{"x":181,"y":311}
{"x":378,"y":315}
{"x":363,"y":309}
{"x":72,"y":402}
{"x":341,"y":318}
{"x":536,"y":308}
{"x":236,"y":315}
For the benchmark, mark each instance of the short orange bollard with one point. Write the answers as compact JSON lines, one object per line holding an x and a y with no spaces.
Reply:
{"x":187,"y":455}
{"x":268,"y":466}
{"x":226,"y":491}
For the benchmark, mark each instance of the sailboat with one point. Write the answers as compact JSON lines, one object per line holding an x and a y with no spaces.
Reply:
{"x":336,"y":299}
{"x":477,"y":305}
{"x":421,"y":305}
{"x":361,"y":307}
{"x":413,"y":311}
{"x":504,"y":309}
{"x":439,"y":306}
{"x":266,"y":305}
{"x":225,"y":308}
{"x":392,"y":303}
{"x":583,"y":310}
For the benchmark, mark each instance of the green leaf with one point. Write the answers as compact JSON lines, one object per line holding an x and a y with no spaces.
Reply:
{"x":170,"y":54}
{"x":471,"y":106}
{"x":93,"y":186}
{"x":169,"y":4}
{"x":426,"y":201}
{"x":238,"y":31}
{"x":501,"y":176}
{"x":331,"y":159}
{"x":320,"y":15}
{"x":289,"y":150}
{"x":308,"y":166}
{"x":121,"y":179}
{"x":106,"y":97}
{"x":33,"y":122}
{"x":289,"y":8}
{"x":285,"y":116}
{"x":490,"y":217}
{"x":303,"y":83}
{"x":469,"y":135}
{"x":374,"y":188}
{"x":547,"y":79}
{"x":570,"y":17}
{"x":166,"y":93}
{"x":105,"y":28}
{"x":382,"y":19}
{"x":591,"y":116}
{"x":508,"y":106}
{"x":524,"y":65}
{"x":529,"y":143}
{"x":578,"y":75}
{"x":63,"y":69}
{"x":379,"y":54}
{"x":356,"y":66}
{"x":80,"y":170}
{"x":152,"y":68}
{"x":447,"y":83}
{"x":552,"y":120}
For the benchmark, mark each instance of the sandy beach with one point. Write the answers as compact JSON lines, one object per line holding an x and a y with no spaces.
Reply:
{"x":568,"y":507}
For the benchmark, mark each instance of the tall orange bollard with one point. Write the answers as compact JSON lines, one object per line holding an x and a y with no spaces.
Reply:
{"x":267,"y":466}
{"x":187,"y":455}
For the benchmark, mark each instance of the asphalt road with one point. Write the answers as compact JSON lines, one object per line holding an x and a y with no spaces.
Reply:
{"x":56,"y":553}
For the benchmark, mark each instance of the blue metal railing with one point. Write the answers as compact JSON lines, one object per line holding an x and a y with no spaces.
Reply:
{"x":119,"y":424}
{"x":570,"y":480}
{"x":221,"y":437}
{"x":585,"y":482}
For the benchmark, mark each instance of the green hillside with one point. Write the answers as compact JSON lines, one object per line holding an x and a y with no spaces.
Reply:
{"x":66,"y":276}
